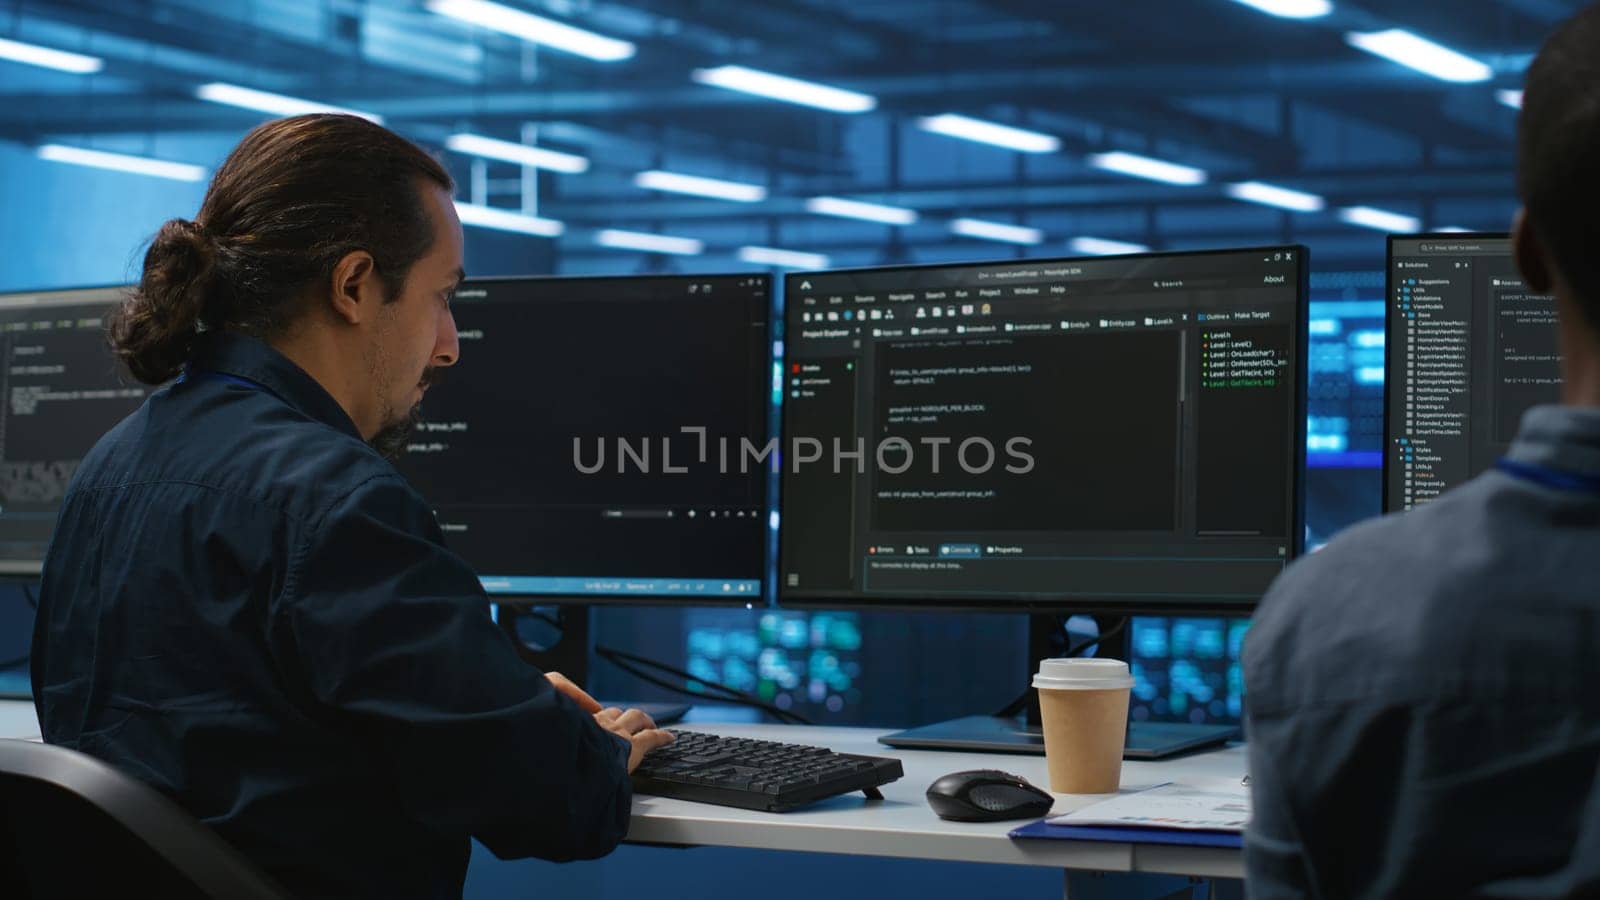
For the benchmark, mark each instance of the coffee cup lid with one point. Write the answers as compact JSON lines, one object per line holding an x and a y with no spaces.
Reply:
{"x":1082,"y":674}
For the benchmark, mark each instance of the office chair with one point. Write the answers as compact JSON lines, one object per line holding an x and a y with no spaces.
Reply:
{"x":73,"y":826}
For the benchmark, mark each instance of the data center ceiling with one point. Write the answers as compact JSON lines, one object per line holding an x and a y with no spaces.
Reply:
{"x":1228,"y":92}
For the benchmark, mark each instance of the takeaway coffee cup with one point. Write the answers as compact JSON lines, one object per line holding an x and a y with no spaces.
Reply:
{"x":1083,"y":704}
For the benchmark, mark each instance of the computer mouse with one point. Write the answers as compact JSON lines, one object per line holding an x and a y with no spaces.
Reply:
{"x":987,"y":795}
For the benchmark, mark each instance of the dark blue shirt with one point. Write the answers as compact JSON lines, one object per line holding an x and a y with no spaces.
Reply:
{"x":1424,"y":692}
{"x":249,"y":608}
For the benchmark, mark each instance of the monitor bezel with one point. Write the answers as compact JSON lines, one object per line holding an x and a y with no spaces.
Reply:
{"x":1388,"y":345}
{"x":1048,"y":603}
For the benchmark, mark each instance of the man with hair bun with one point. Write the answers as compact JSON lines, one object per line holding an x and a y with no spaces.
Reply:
{"x":1423,"y":713}
{"x":246,"y":606}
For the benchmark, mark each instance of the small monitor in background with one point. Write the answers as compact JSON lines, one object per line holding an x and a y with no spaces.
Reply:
{"x":62,"y":390}
{"x":597,"y":440}
{"x":1469,"y":350}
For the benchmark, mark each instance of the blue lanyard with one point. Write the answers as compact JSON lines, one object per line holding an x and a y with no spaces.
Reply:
{"x":1550,"y":478}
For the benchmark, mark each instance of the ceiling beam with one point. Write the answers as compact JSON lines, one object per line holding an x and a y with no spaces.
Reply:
{"x":1404,"y":187}
{"x":1062,"y":84}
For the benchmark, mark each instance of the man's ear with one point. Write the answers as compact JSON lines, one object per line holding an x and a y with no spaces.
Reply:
{"x":354,"y":288}
{"x":1530,"y":254}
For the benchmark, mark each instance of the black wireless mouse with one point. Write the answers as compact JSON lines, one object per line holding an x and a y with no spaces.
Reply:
{"x":987,"y":795}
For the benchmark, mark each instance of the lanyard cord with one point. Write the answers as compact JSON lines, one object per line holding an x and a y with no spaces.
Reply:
{"x":1550,"y":478}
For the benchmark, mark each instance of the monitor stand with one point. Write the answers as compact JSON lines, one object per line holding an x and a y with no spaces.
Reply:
{"x":569,"y":655}
{"x":1021,"y":734}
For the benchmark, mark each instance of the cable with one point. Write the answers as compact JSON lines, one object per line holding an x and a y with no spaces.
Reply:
{"x":506,"y":617}
{"x":727,"y":694}
{"x":529,"y":613}
{"x":622,"y":661}
{"x":1016,"y":706}
{"x":546,"y":618}
{"x":627,"y":662}
{"x":678,"y":689}
{"x":1078,"y":648}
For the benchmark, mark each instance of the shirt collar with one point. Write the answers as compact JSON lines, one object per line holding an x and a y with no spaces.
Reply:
{"x":1563,"y":438}
{"x":252,"y":359}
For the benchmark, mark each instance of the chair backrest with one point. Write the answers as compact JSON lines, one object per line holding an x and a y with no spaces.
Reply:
{"x":73,"y":826}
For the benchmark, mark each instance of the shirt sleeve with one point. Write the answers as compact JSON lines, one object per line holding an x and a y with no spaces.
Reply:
{"x":1275,"y":861}
{"x":393,"y":633}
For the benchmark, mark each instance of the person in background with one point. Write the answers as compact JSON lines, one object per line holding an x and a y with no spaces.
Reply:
{"x":1423,"y":719}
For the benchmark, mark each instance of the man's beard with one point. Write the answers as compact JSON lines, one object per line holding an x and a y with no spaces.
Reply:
{"x":391,"y":439}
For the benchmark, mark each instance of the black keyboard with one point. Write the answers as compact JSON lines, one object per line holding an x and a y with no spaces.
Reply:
{"x":752,"y":774}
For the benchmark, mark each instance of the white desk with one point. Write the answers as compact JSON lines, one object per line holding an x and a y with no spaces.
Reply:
{"x":17,"y":720}
{"x":902,"y":825}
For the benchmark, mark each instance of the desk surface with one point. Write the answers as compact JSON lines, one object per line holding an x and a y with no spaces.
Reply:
{"x":902,"y":824}
{"x":17,"y":719}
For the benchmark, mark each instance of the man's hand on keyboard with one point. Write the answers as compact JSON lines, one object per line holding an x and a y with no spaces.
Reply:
{"x":577,"y":694}
{"x":638,"y":728}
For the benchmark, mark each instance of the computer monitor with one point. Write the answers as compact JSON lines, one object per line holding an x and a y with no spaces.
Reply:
{"x":578,"y":449}
{"x":63,"y":389}
{"x":1469,"y":349}
{"x":1116,"y":434}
